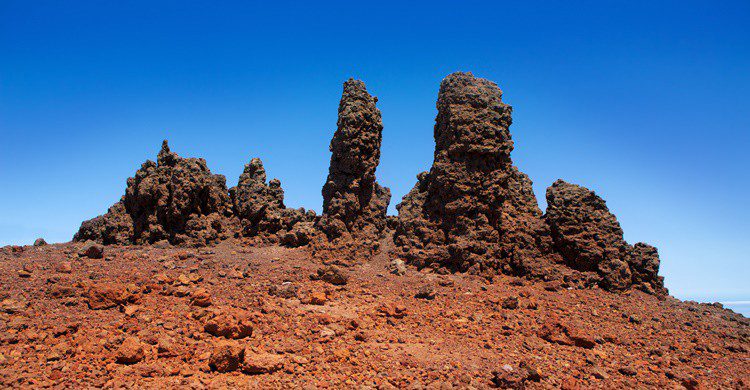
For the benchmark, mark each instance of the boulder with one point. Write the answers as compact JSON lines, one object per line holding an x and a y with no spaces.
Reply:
{"x":226,"y":356}
{"x":589,"y":238}
{"x":229,"y":323}
{"x":130,"y":351}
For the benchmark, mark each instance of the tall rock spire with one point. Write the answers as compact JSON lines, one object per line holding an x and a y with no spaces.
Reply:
{"x":474,"y":211}
{"x":354,"y":204}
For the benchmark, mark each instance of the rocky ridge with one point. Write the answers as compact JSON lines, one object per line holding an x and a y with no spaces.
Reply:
{"x":474,"y":211}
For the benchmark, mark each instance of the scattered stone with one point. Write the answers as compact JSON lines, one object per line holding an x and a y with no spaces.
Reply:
{"x":318,"y":298}
{"x":554,"y":331}
{"x":285,"y":290}
{"x":91,"y":250}
{"x":426,"y":292}
{"x":510,"y":303}
{"x":228,"y":322}
{"x":24,"y":273}
{"x":40,"y":242}
{"x":108,"y":295}
{"x":64,"y":267}
{"x":331,"y":274}
{"x":261,"y":362}
{"x":226,"y":356}
{"x":398,"y":267}
{"x":130,"y":351}
{"x":200,"y":297}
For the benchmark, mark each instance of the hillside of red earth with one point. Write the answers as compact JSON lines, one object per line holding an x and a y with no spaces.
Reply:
{"x":186,"y":282}
{"x":240,"y":316}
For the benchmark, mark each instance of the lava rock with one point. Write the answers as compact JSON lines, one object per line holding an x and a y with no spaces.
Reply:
{"x":226,"y":356}
{"x":590,"y":238}
{"x":175,"y":199}
{"x":91,"y":250}
{"x":354,"y":204}
{"x":474,"y":211}
{"x":130,"y":351}
{"x":228,"y":322}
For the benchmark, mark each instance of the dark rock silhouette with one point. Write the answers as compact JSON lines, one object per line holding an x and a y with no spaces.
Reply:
{"x":474,"y":211}
{"x":354,"y":204}
{"x":261,"y":211}
{"x":590,"y":238}
{"x":175,"y":199}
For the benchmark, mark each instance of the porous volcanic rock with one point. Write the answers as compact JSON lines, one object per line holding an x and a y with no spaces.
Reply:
{"x":590,"y":238}
{"x":175,"y":199}
{"x":474,"y":211}
{"x":354,"y":204}
{"x":261,"y":211}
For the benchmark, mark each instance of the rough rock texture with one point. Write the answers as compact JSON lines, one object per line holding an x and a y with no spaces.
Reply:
{"x":589,"y":238}
{"x":175,"y":199}
{"x":260,"y":208}
{"x":374,"y":332}
{"x":474,"y":211}
{"x":354,"y":204}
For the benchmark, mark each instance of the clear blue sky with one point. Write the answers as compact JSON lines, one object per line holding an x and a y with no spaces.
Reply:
{"x":644,"y":102}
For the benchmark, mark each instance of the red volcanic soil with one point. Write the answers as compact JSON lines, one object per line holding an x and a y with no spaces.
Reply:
{"x":273,"y":317}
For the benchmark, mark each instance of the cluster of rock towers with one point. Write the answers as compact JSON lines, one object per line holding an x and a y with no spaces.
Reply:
{"x":473,"y":211}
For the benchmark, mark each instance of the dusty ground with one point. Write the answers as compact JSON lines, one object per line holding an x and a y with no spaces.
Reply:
{"x":134,"y":319}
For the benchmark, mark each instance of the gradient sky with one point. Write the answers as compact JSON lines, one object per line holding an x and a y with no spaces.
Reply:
{"x":644,"y":102}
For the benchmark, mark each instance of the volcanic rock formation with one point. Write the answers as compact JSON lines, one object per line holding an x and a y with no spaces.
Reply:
{"x":474,"y":211}
{"x":589,"y":238}
{"x":354,"y":204}
{"x":260,"y":208}
{"x":175,"y":199}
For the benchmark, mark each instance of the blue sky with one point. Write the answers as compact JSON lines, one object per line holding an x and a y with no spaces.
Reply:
{"x":644,"y":102}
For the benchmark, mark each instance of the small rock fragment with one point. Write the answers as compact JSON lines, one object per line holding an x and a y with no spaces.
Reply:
{"x":130,"y":351}
{"x":226,"y":356}
{"x":261,"y":362}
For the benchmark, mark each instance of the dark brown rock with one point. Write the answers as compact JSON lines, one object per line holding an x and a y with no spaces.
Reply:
{"x":108,"y":295}
{"x":91,"y":250}
{"x":354,"y":204}
{"x":175,"y":199}
{"x":130,"y":351}
{"x":261,"y":362}
{"x":226,"y":356}
{"x":228,"y":322}
{"x":261,"y":211}
{"x":644,"y":265}
{"x":590,"y":238}
{"x":474,"y":211}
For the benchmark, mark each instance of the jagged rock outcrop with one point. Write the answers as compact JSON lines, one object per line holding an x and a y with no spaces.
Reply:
{"x":474,"y":211}
{"x":261,"y":211}
{"x":590,"y":238}
{"x":175,"y":199}
{"x":354,"y":204}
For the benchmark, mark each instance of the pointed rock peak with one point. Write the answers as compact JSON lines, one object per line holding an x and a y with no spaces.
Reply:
{"x":356,"y":90}
{"x":254,"y":172}
{"x":166,"y":157}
